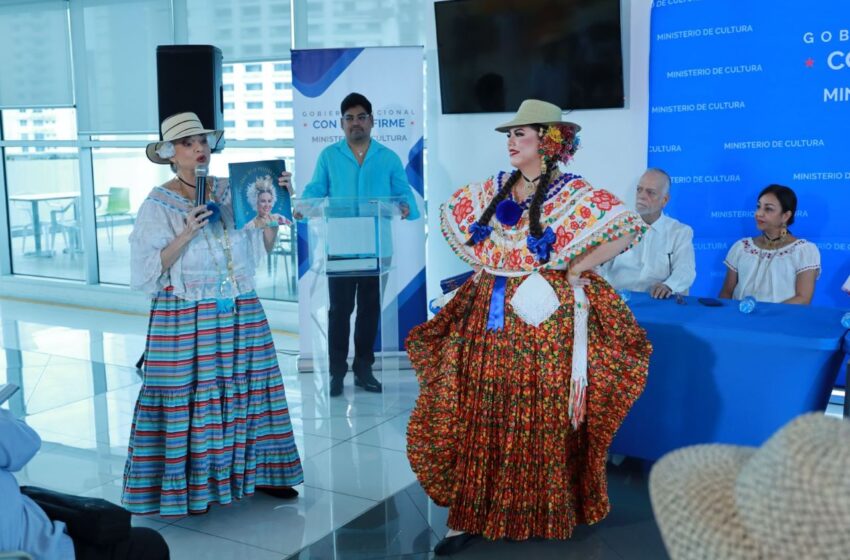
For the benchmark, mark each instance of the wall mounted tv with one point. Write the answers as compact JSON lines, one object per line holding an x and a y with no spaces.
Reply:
{"x":495,"y":53}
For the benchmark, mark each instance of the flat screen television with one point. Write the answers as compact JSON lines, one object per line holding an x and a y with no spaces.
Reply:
{"x":493,"y":54}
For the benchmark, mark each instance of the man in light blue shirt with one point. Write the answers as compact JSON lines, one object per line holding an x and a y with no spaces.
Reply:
{"x":25,"y":527}
{"x":357,"y":167}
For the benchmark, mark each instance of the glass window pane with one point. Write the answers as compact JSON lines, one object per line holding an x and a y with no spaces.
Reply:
{"x":276,"y":276}
{"x":123,"y":177}
{"x":120,"y":42}
{"x":260,"y":100}
{"x":388,"y":23}
{"x":265,"y":26}
{"x":52,"y":124}
{"x":35,"y":54}
{"x":45,"y":218}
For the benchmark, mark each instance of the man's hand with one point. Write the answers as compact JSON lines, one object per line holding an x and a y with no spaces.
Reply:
{"x":660,"y":291}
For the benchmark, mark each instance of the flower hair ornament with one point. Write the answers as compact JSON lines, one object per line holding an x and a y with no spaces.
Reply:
{"x":214,"y":142}
{"x":166,"y":150}
{"x":557,"y":143}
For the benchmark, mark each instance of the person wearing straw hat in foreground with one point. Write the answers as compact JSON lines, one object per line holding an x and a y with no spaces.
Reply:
{"x":529,"y":369}
{"x":211,"y":422}
{"x":786,"y":500}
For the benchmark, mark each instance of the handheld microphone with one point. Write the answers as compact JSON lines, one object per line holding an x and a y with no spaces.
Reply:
{"x":200,"y":185}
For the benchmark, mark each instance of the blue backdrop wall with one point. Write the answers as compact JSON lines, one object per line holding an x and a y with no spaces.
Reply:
{"x":744,"y":94}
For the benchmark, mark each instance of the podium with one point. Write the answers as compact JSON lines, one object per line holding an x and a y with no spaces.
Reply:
{"x":349,"y":238}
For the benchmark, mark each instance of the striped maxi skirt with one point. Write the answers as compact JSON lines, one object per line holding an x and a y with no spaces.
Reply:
{"x":211,"y":422}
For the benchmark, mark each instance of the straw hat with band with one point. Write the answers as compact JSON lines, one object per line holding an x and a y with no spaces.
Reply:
{"x":179,"y":126}
{"x":788,"y":499}
{"x":534,"y":111}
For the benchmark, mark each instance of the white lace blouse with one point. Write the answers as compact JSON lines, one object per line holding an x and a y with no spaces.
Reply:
{"x":770,"y":274}
{"x":201,"y":271}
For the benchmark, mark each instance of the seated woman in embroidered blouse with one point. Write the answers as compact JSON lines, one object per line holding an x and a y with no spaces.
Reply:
{"x":262,"y":198}
{"x":527,"y":372}
{"x":774,"y":266}
{"x":211,"y":423}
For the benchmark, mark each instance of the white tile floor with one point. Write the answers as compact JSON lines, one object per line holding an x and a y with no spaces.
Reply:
{"x":79,"y":386}
{"x":359,"y":500}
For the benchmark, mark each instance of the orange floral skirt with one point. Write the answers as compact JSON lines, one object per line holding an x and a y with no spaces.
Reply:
{"x":490,"y":437}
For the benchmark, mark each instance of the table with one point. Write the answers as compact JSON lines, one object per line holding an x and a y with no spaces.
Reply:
{"x":719,"y":376}
{"x":34,"y":199}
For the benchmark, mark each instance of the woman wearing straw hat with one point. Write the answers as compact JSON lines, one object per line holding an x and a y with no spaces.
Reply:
{"x":529,"y":369}
{"x":211,"y":422}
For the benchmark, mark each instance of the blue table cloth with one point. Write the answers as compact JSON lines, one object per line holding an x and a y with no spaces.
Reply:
{"x":719,"y":376}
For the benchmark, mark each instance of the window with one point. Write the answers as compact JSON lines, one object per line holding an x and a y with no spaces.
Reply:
{"x":254,"y":105}
{"x":227,"y":87}
{"x":45,"y":217}
{"x":229,"y":105}
{"x":282,"y":104}
{"x":279,"y":85}
{"x":229,"y":124}
{"x":122,"y":179}
{"x":254,"y":87}
{"x":227,"y":69}
{"x":253,"y":67}
{"x":255,"y":124}
{"x":281,"y":66}
{"x":362,"y":23}
{"x":280,"y":123}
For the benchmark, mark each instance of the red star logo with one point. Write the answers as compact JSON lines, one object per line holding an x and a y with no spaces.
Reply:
{"x":810,"y":62}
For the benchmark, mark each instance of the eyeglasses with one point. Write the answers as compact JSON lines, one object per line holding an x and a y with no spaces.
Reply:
{"x":362,"y":117}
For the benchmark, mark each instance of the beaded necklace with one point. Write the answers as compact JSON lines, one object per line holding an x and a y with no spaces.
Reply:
{"x":225,"y":302}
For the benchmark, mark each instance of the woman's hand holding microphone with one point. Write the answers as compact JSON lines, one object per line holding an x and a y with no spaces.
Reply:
{"x":196,"y":219}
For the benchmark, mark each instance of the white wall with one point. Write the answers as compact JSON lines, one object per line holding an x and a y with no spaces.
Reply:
{"x":465,"y":148}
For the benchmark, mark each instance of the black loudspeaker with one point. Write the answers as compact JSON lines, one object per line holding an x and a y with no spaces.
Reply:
{"x":188,"y":78}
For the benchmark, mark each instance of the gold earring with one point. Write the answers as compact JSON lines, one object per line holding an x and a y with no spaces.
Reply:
{"x":784,"y":232}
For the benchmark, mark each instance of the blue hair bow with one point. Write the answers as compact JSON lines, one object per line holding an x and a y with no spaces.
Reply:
{"x":479,"y":233}
{"x":541,"y":246}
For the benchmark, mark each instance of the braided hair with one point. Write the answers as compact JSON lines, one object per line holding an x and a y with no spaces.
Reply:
{"x":561,"y":150}
{"x":500,"y":196}
{"x":534,"y":227}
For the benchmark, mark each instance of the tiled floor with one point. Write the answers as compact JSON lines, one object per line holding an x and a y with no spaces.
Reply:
{"x":360,"y":499}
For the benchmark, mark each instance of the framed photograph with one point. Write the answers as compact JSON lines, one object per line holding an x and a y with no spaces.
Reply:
{"x":258,"y":201}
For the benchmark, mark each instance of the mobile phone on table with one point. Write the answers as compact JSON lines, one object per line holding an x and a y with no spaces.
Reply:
{"x":710,"y":302}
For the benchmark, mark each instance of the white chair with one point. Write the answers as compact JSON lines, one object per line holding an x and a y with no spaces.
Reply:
{"x":64,"y":221}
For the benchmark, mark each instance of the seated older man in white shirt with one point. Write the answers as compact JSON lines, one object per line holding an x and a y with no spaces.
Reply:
{"x":663,"y":262}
